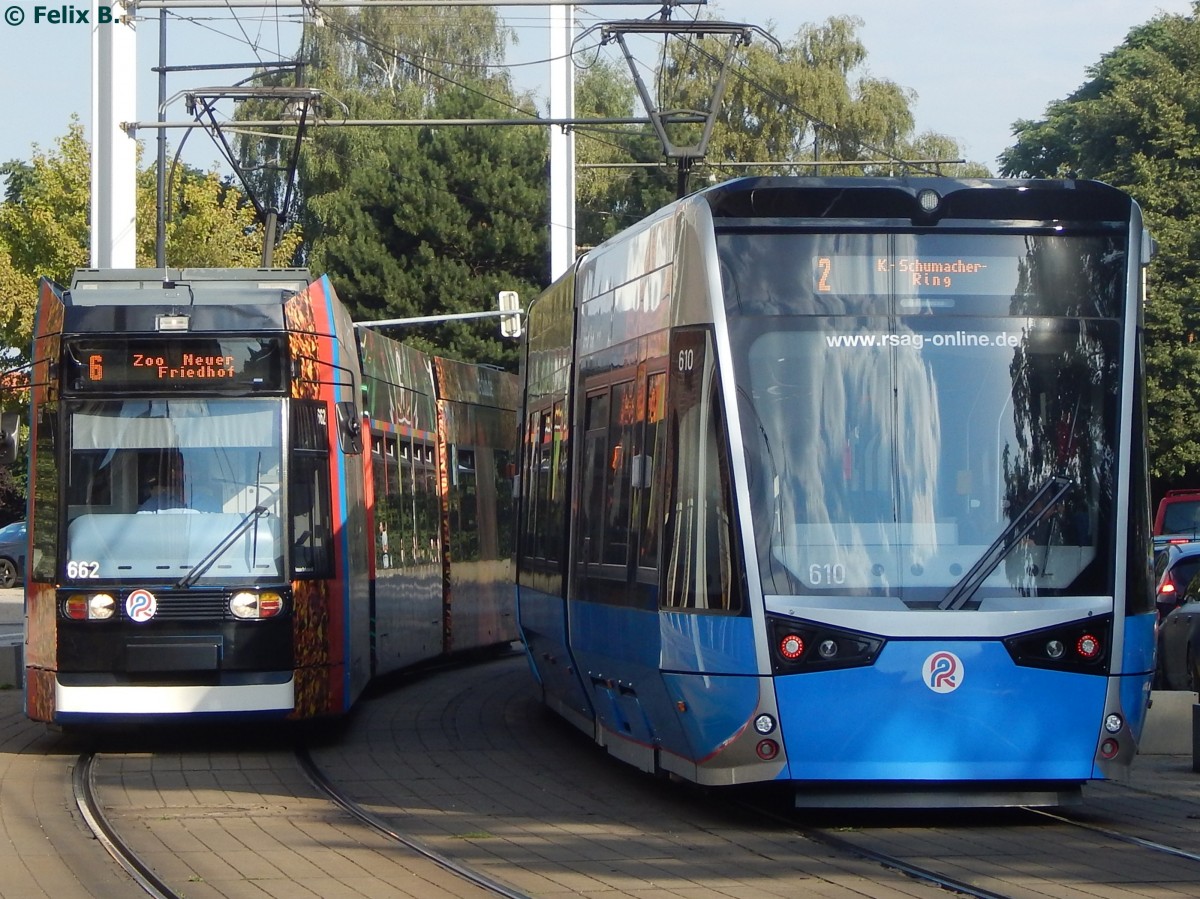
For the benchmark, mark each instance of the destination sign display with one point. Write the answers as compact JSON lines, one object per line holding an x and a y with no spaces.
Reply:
{"x":177,"y":363}
{"x":910,"y":275}
{"x":922,"y":273}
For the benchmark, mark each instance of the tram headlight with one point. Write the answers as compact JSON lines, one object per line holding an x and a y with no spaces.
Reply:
{"x":1088,"y":646}
{"x":764,"y":724}
{"x":1077,"y":646}
{"x":1113,"y":723}
{"x":248,"y":605}
{"x":102,"y":606}
{"x":805,"y":646}
{"x":791,"y":646}
{"x":84,"y":607}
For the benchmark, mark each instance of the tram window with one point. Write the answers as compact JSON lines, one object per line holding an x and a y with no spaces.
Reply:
{"x":464,"y":505}
{"x":426,"y":506}
{"x":387,"y":503}
{"x":649,"y":497}
{"x":89,"y":483}
{"x":699,"y":571}
{"x":595,"y":458}
{"x":620,"y":459}
{"x":559,"y":456}
{"x":308,"y":494}
{"x":529,"y":531}
{"x":539,"y":529}
{"x":502,"y":496}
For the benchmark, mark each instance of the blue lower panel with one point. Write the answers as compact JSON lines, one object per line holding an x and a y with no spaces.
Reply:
{"x":1138,"y":665}
{"x":999,"y":722}
{"x":717,"y":709}
{"x":543,"y":623}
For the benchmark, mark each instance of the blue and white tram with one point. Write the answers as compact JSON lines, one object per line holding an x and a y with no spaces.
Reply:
{"x":842,"y":483}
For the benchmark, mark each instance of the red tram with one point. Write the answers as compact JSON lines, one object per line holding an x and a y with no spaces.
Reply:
{"x":240,"y":505}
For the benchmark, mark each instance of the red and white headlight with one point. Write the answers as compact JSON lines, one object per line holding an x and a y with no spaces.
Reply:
{"x":248,"y":605}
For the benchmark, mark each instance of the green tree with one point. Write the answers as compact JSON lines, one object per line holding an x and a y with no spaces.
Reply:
{"x":44,"y":227}
{"x":616,"y":183}
{"x":1135,"y":123}
{"x":416,"y":221}
{"x":812,"y":100}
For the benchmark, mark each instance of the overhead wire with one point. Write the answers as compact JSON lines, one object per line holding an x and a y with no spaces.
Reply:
{"x":427,"y":64}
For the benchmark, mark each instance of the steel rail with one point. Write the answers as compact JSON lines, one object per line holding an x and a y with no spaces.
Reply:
{"x":84,"y":788}
{"x":1118,"y":836}
{"x":321,"y":783}
{"x":892,"y":862}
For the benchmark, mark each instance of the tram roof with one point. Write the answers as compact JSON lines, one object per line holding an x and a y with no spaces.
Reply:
{"x":190,"y":286}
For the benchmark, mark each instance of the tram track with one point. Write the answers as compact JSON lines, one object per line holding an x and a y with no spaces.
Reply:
{"x":122,"y":851}
{"x":1118,"y":836}
{"x":382,"y":827}
{"x":372,"y":788}
{"x":84,"y":789}
{"x":827,"y":838}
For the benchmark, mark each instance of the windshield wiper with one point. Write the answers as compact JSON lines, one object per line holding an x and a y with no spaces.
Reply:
{"x":219,"y":550}
{"x":1016,"y":530}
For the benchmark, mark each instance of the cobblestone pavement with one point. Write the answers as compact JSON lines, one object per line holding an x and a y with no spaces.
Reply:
{"x":470,"y":765}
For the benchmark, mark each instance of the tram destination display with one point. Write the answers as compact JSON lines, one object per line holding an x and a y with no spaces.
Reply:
{"x":141,"y":364}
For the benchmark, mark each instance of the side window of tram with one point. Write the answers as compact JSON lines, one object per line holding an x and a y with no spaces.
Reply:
{"x":595,"y":445}
{"x":388,"y":503}
{"x":699,"y":570}
{"x":607,"y":465}
{"x":619,"y":493}
{"x":543,"y":483}
{"x":647,"y":481}
{"x":308,"y":492}
{"x":464,"y":504}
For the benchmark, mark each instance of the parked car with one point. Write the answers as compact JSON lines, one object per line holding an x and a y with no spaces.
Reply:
{"x":1178,"y":516}
{"x":1179,"y":643}
{"x":1175,"y":565}
{"x":12,"y":554}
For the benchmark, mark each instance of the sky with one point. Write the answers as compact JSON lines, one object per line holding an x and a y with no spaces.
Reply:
{"x":975,"y":66}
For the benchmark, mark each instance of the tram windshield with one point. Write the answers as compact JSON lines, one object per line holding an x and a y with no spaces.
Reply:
{"x":155,"y":486}
{"x":943,"y":447}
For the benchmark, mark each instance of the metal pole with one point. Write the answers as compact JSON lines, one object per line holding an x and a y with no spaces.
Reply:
{"x":160,"y":229}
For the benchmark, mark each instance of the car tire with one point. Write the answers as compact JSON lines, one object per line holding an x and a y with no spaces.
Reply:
{"x":1193,"y":672}
{"x":8,"y":574}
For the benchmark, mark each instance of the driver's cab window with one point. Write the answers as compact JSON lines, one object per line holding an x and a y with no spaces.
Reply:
{"x":308,"y":493}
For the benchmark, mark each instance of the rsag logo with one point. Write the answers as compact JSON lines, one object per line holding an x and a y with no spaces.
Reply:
{"x":61,"y":15}
{"x":942,"y":672}
{"x":141,"y":605}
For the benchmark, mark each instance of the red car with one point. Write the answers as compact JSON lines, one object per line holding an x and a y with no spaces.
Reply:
{"x":1178,"y":515}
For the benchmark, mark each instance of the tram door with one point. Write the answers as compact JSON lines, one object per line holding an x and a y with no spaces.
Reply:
{"x":613,"y":616}
{"x":659,"y":601}
{"x":708,"y":655}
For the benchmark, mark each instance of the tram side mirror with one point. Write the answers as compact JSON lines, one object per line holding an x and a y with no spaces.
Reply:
{"x":349,"y":429}
{"x":510,"y":321}
{"x":10,"y":425}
